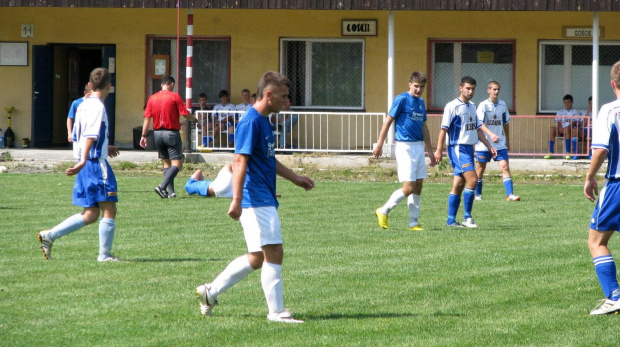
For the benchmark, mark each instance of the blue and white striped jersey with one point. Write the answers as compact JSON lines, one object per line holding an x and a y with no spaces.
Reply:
{"x":494,"y":116}
{"x":91,"y":121}
{"x":606,"y":134}
{"x":460,"y":120}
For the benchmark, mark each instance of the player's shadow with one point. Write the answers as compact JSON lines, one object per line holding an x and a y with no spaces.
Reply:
{"x":171,"y":260}
{"x":337,"y":316}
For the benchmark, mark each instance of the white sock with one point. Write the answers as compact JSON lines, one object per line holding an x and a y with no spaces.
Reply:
{"x":413,"y":203}
{"x":237,"y":270}
{"x":271,"y":279}
{"x":394,"y":200}
{"x":67,"y":226}
{"x":222,"y":185}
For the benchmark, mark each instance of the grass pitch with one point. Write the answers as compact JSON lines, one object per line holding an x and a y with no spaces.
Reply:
{"x":525,"y":277}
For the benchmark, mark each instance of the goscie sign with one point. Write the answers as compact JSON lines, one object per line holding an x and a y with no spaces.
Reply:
{"x":581,"y":32}
{"x":359,"y":28}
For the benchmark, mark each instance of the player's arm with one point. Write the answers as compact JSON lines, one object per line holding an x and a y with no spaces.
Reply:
{"x":88,"y":144}
{"x":378,"y":151}
{"x":69,"y":129}
{"x":190,"y":117}
{"x":486,"y":142}
{"x":488,"y":131}
{"x":590,"y":188}
{"x":145,"y":131}
{"x":240,"y":166}
{"x":441,"y":139}
{"x":428,"y":143}
{"x":507,"y":135}
{"x":301,"y":181}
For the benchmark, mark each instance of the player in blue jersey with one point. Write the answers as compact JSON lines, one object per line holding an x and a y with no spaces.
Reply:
{"x":255,"y":205}
{"x":73,"y":111}
{"x":464,"y":130}
{"x":220,"y":187}
{"x":493,"y":113}
{"x":408,"y":113}
{"x":565,"y":127}
{"x":606,"y":216}
{"x":95,"y":184}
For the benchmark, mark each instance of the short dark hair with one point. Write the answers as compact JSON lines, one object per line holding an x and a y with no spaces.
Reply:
{"x":590,"y":98}
{"x":567,"y":97}
{"x":494,"y":83}
{"x":202,"y":95}
{"x":222,"y":93}
{"x":167,"y":80}
{"x":272,"y":78}
{"x":615,"y":73}
{"x":100,"y":78}
{"x":245,"y":90}
{"x":468,"y":80}
{"x":417,"y":76}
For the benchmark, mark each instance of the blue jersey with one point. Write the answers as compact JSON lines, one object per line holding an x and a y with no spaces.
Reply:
{"x":606,"y":135}
{"x":72,"y":111}
{"x":91,"y":121}
{"x":461,"y":122}
{"x":254,"y":137}
{"x":409,"y":115}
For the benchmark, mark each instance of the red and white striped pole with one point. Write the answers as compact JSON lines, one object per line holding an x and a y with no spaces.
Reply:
{"x":188,"y":76}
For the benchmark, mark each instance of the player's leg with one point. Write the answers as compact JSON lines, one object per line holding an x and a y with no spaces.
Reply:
{"x":471,"y":180}
{"x":458,"y":184}
{"x":553,"y":133}
{"x":481,"y":165}
{"x":605,"y":268}
{"x":413,"y":204}
{"x":107,"y":228}
{"x":162,"y":153}
{"x":197,"y":185}
{"x":221,"y":187}
{"x":504,"y":165}
{"x":406,"y":175}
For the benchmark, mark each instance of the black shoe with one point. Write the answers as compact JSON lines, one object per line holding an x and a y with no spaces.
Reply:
{"x":172,"y":195}
{"x":161,"y":192}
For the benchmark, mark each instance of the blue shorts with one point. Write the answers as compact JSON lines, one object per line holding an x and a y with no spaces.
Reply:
{"x":606,"y":215}
{"x":485,"y":157}
{"x":461,"y":158}
{"x":95,"y":183}
{"x":197,"y":187}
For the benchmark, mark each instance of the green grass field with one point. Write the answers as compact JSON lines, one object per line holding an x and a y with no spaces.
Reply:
{"x":525,"y":277}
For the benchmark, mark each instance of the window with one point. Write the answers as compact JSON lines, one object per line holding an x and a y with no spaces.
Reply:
{"x":211,"y":65}
{"x":324,"y":73}
{"x":566,"y":68}
{"x":483,"y":60}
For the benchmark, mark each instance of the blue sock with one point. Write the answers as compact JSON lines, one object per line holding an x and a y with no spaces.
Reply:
{"x":567,"y":145}
{"x":106,"y":236}
{"x":231,"y":138}
{"x":453,"y":208}
{"x":605,"y":267}
{"x":574,"y":144}
{"x":551,"y":146}
{"x":67,"y":226}
{"x":468,"y":201}
{"x":479,"y":187}
{"x":508,"y":185}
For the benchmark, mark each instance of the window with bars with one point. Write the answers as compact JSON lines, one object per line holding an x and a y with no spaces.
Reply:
{"x":324,"y":73}
{"x":565,"y":67}
{"x":211,"y":65}
{"x":485,"y":61}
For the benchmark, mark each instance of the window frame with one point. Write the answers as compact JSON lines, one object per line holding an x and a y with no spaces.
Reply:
{"x":311,"y":40}
{"x":429,"y":88}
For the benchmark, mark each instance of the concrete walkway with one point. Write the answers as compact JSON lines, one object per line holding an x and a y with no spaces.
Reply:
{"x":39,"y":157}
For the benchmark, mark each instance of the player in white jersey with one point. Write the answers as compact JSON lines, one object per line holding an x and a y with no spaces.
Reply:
{"x":95,"y":184}
{"x":246,"y":104}
{"x":493,"y":113}
{"x":606,"y":216}
{"x":408,"y":113}
{"x":464,"y":129}
{"x":226,"y":120}
{"x":565,"y":127}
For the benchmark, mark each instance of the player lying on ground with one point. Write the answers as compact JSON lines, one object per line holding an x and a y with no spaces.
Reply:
{"x":220,"y":187}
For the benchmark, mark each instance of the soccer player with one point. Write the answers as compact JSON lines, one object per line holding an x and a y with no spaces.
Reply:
{"x":72,"y":112}
{"x":408,"y":112}
{"x":165,"y":107}
{"x":95,"y":184}
{"x":255,"y":205}
{"x":220,"y":187}
{"x":565,"y":127}
{"x":464,"y":129}
{"x":493,"y":113}
{"x":226,"y":120}
{"x":247,"y":103}
{"x":606,"y":216}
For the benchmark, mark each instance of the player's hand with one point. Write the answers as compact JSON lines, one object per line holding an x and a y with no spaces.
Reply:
{"x":113,"y":151}
{"x":590,"y":188}
{"x":143,"y":142}
{"x":74,"y":170}
{"x":507,"y":146}
{"x":378,"y":151}
{"x":495,"y":138}
{"x":438,"y":156}
{"x":433,"y":161}
{"x":304,"y":182}
{"x":70,"y":139}
{"x":493,"y":152}
{"x":234,"y":211}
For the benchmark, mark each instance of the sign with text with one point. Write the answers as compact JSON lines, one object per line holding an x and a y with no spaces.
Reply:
{"x":581,"y":32}
{"x":359,"y":28}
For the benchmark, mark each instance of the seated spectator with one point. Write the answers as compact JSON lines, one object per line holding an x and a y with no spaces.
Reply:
{"x":565,"y":127}
{"x":246,"y":104}
{"x":283,"y":123}
{"x":226,"y":120}
{"x":209,"y":127}
{"x":253,"y":98}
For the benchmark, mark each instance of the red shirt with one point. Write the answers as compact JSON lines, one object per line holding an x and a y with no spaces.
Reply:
{"x":165,"y":107}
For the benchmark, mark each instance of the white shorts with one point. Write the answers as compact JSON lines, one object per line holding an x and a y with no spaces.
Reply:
{"x":261,"y":226}
{"x":410,"y":161}
{"x":222,"y":184}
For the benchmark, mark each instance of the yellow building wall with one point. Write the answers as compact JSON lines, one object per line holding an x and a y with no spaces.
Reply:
{"x":255,"y":38}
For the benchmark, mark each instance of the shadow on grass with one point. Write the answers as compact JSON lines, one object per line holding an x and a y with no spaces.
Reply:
{"x":335,"y":316}
{"x":171,"y":260}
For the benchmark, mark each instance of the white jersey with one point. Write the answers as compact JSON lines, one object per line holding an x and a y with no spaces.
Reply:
{"x":242,"y":107}
{"x":606,"y":134}
{"x":224,"y":115}
{"x":494,"y":116}
{"x":566,"y":121}
{"x":461,"y":122}
{"x":91,"y":122}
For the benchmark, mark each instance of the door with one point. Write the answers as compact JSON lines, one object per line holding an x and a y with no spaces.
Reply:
{"x":42,"y":95}
{"x":109,"y":62}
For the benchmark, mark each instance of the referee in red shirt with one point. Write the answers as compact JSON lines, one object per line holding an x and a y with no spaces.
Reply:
{"x":165,"y":107}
